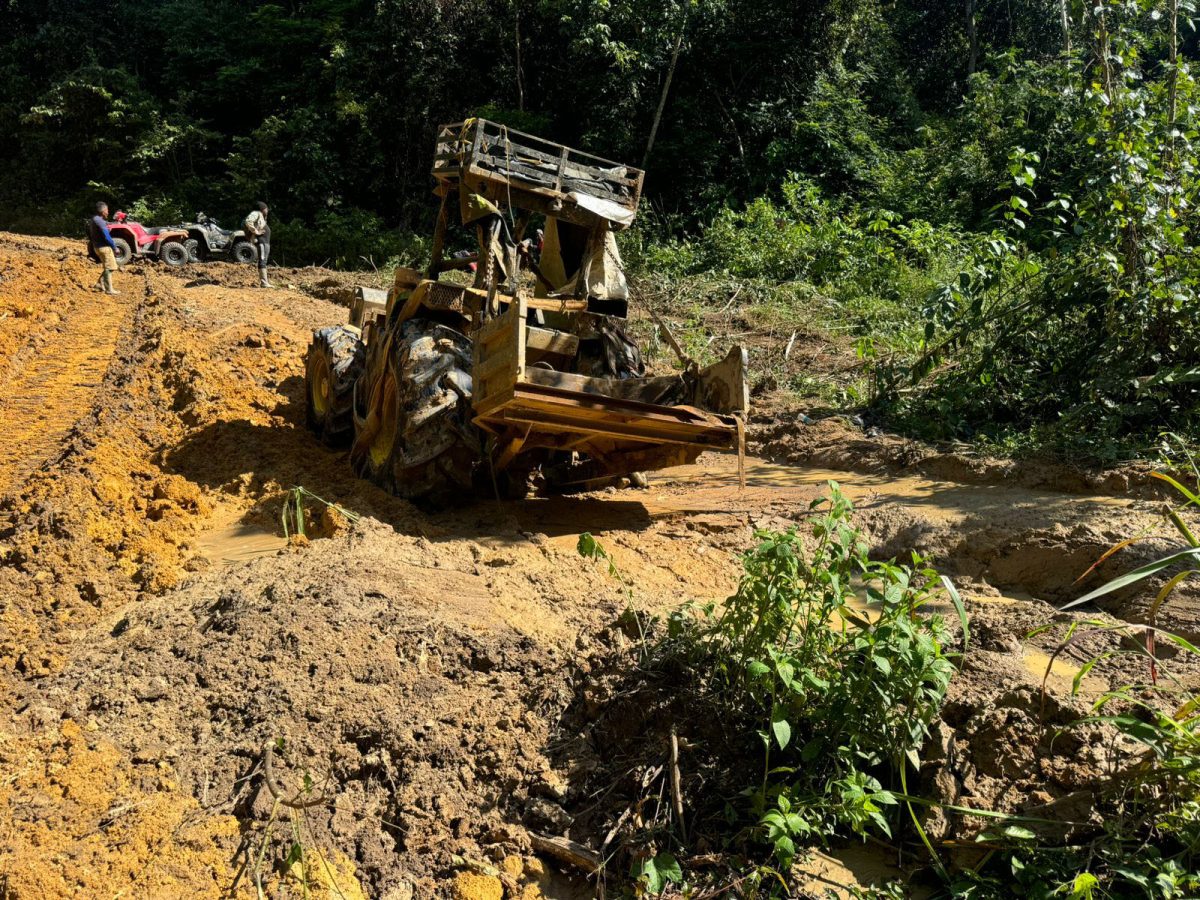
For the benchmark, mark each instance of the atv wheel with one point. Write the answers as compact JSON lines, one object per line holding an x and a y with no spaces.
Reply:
{"x":245,"y":252}
{"x":420,"y":442}
{"x":193,"y":249}
{"x":122,"y":251}
{"x":334,"y":362}
{"x":174,"y":254}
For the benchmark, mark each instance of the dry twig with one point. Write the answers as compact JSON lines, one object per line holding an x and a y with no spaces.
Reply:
{"x":676,"y":792}
{"x":567,"y":851}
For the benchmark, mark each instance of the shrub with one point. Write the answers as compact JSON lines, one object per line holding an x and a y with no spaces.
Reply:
{"x":350,"y":239}
{"x":841,"y":693}
{"x":1073,"y":319}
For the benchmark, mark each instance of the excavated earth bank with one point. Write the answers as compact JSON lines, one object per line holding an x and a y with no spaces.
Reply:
{"x":437,"y":686}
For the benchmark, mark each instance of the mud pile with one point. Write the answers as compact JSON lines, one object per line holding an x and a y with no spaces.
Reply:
{"x":421,"y":721}
{"x":313,"y":281}
{"x":1033,"y":528}
{"x":838,"y":442}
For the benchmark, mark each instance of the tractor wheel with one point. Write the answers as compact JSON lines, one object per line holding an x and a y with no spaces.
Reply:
{"x":245,"y":252}
{"x":174,"y":254}
{"x":421,"y":443}
{"x":123,"y":252}
{"x":334,"y":362}
{"x":193,"y":249}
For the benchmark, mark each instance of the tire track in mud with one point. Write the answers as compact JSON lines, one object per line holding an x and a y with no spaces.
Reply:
{"x":49,"y":388}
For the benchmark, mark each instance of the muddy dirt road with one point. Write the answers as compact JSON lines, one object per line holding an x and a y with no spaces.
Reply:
{"x":411,"y":671}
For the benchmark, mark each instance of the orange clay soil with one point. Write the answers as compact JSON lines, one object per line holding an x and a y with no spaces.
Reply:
{"x":433,"y":681}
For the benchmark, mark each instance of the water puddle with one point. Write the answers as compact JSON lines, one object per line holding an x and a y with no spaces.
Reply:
{"x":239,"y":541}
{"x":1062,"y":673}
{"x":711,"y":483}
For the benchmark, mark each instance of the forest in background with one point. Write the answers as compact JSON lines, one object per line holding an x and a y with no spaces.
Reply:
{"x":994,"y":200}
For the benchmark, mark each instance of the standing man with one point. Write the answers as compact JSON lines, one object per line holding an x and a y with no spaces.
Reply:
{"x":256,"y":226}
{"x":102,"y":248}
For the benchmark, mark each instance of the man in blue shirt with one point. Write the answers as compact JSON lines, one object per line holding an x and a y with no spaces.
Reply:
{"x":101,"y":244}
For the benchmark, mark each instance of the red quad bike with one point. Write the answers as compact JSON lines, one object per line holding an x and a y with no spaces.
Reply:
{"x":132,"y":239}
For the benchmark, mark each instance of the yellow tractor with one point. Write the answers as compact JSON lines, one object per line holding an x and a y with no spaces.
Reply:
{"x":507,"y":362}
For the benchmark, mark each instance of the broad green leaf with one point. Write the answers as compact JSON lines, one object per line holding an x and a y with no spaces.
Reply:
{"x":668,"y":866}
{"x":1018,"y":832}
{"x":783,"y":732}
{"x":660,"y":871}
{"x":1190,"y":555}
{"x":1084,"y":886}
{"x":961,"y":609}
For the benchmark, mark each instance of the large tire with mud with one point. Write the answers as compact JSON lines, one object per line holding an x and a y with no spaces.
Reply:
{"x":122,"y":252}
{"x":174,"y":254}
{"x":422,"y":444}
{"x":244,"y":252}
{"x":333,"y":364}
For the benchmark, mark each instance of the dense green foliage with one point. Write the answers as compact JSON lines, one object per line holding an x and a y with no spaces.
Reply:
{"x":993,"y":200}
{"x":1023,"y":271}
{"x":331,"y":104}
{"x":842,"y":694}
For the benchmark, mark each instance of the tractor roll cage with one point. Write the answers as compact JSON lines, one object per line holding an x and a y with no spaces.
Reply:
{"x":492,"y":169}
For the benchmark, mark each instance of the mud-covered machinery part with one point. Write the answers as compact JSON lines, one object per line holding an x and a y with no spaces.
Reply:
{"x":244,"y":252}
{"x":612,"y":353}
{"x":122,"y":251}
{"x":333,"y":363}
{"x":193,"y":249}
{"x":421,"y":443}
{"x":173,"y":253}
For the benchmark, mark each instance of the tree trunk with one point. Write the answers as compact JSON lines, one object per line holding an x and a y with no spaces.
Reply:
{"x":662,"y":100}
{"x":1102,"y":44}
{"x":1065,"y":15}
{"x":972,"y":39}
{"x":517,"y":41}
{"x":1173,"y":76}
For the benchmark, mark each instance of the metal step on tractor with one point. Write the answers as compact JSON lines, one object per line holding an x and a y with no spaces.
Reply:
{"x":520,"y":371}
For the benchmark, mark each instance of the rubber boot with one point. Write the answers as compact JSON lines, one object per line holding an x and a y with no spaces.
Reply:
{"x":263,"y":281}
{"x":108,"y":285}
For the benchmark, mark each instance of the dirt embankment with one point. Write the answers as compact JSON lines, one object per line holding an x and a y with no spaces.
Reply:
{"x":838,"y":443}
{"x":424,"y":671}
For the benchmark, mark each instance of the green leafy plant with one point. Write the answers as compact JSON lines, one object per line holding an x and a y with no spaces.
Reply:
{"x":835,"y":661}
{"x":654,"y":874}
{"x":1071,"y":323}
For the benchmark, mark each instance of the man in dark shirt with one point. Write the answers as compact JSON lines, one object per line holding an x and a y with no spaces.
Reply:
{"x":102,"y":248}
